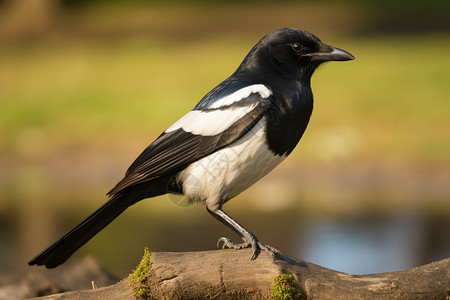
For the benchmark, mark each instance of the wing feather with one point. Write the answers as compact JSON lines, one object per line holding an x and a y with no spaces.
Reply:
{"x":174,"y":150}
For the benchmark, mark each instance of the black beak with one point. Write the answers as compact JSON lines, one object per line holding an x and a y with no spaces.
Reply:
{"x":329,"y":53}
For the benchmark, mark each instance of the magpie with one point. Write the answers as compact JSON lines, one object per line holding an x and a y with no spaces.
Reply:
{"x":235,"y":135}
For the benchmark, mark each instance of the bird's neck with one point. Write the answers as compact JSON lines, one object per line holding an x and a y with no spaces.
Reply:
{"x":288,"y":117}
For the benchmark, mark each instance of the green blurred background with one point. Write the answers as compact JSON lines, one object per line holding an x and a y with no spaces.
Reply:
{"x":85,"y":86}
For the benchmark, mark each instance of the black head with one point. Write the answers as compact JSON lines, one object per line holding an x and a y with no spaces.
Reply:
{"x":291,"y":50}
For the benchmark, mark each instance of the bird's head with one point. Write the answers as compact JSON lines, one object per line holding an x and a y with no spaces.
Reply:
{"x":293,"y":50}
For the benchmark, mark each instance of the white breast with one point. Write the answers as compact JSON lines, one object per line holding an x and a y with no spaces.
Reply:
{"x":228,"y":172}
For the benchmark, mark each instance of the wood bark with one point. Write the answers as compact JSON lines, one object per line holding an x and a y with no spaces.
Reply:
{"x":230,"y":274}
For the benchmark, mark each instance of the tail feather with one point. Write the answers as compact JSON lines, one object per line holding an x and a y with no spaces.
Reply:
{"x":63,"y":248}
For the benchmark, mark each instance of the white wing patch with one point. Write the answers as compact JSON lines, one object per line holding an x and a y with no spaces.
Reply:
{"x":261,"y":89}
{"x":213,"y":122}
{"x":210,"y":122}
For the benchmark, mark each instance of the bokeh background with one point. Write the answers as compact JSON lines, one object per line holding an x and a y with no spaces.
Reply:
{"x":85,"y":86}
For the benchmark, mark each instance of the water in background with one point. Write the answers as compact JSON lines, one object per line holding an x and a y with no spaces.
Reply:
{"x":365,"y":245}
{"x":362,"y":244}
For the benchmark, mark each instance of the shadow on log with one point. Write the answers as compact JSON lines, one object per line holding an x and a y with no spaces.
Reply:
{"x":230,"y":274}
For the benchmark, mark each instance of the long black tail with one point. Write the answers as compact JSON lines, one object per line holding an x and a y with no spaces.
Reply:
{"x":62,"y":249}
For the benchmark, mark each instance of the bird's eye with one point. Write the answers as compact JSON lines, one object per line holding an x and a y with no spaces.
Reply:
{"x":297,"y":47}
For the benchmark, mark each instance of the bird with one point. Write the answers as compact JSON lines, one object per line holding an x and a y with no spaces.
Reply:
{"x":238,"y":132}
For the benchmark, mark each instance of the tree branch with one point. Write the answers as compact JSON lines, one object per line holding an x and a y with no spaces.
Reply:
{"x":230,"y":274}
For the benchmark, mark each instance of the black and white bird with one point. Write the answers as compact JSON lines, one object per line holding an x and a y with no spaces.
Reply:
{"x":240,"y":131}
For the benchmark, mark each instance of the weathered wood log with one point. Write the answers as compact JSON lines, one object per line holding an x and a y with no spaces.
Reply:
{"x":230,"y":274}
{"x":77,"y":274}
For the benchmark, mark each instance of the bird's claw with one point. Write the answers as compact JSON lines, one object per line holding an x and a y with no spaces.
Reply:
{"x":256,"y":245}
{"x":227,"y":243}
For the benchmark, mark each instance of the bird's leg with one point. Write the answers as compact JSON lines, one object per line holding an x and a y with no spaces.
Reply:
{"x":250,"y":240}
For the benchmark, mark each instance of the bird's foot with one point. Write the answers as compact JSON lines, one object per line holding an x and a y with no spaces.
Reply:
{"x":251,"y":241}
{"x":227,"y":243}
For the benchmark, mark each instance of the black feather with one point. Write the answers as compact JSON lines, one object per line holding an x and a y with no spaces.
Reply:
{"x":63,"y":248}
{"x":174,"y":151}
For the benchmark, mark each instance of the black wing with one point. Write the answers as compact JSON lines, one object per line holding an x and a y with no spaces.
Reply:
{"x":173,"y":151}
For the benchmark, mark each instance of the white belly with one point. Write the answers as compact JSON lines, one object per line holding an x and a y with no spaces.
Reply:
{"x":228,"y":172}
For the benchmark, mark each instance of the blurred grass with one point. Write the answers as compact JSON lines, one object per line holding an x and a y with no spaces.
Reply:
{"x":390,"y":103}
{"x":394,"y":96}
